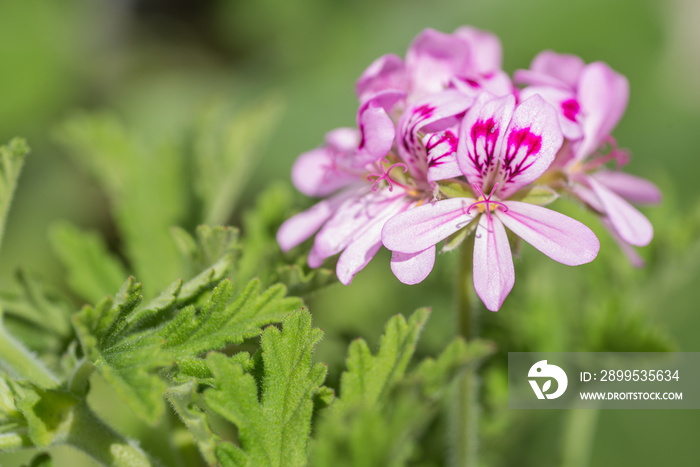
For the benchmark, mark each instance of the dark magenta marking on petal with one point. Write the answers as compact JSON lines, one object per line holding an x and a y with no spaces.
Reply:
{"x":410,"y":140}
{"x":570,"y":108}
{"x":471,"y":82}
{"x":489,"y":131}
{"x":435,"y":140}
{"x":516,"y":140}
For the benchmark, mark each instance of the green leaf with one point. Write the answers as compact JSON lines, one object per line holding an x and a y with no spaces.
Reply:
{"x":456,"y":190}
{"x":47,"y":412}
{"x":208,"y":246}
{"x":38,"y":315}
{"x":183,"y":401}
{"x":128,"y":362}
{"x":382,"y":411}
{"x":144,"y":181}
{"x":301,"y":279}
{"x":93,"y":271}
{"x":218,"y":323}
{"x":540,"y":195}
{"x":226,"y":150}
{"x":11,"y":160}
{"x":274,"y":430}
{"x":369,"y":378}
{"x":434,"y":375}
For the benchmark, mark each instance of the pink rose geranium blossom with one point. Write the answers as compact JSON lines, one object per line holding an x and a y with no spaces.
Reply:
{"x":407,"y":120}
{"x":502,"y":148}
{"x":590,"y":100}
{"x":447,"y":146}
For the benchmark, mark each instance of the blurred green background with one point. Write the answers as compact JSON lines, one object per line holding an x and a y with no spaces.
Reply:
{"x":158,"y":63}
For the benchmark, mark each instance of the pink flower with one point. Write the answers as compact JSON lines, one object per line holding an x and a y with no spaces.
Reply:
{"x":502,"y":148}
{"x":591,"y":100}
{"x":406,"y":139}
{"x":435,"y":60}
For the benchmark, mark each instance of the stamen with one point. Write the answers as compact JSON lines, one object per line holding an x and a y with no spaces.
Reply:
{"x":486,"y":201}
{"x":620,"y":156}
{"x":378,"y":177}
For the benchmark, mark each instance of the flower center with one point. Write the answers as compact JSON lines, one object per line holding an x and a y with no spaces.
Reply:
{"x":484,"y":203}
{"x":384,"y":175}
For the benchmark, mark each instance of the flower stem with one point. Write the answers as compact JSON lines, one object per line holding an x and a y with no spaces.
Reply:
{"x":19,"y":361}
{"x":466,"y":414}
{"x":91,"y":435}
{"x":579,"y":434}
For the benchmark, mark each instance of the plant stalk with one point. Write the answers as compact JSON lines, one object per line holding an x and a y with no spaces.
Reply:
{"x":579,"y":434}
{"x":90,"y":434}
{"x":18,"y":361}
{"x":466,"y":413}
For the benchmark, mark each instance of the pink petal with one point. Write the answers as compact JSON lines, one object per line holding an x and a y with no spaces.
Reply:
{"x":441,"y":148}
{"x":529,"y":146}
{"x":314,"y":260}
{"x":377,"y":136}
{"x":603,"y":95}
{"x":634,"y":189}
{"x":421,"y":227}
{"x":551,"y":68}
{"x":497,"y":83}
{"x":564,"y":101}
{"x":558,"y":236}
{"x":352,"y":217}
{"x":586,"y":195}
{"x":386,"y":72}
{"x":432,"y":58}
{"x":493,"y":264}
{"x":484,"y":47}
{"x":435,"y":113}
{"x":376,"y":127}
{"x":298,"y":228}
{"x":632,"y":226}
{"x":365,"y":243}
{"x":344,"y":140}
{"x":482,"y":128}
{"x":413,"y":268}
{"x":320,"y":172}
{"x":629,"y":251}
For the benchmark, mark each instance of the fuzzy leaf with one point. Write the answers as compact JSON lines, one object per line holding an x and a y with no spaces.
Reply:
{"x":128,"y":362}
{"x":38,"y":315}
{"x":183,"y":401}
{"x":207,"y":247}
{"x":540,"y":195}
{"x":217,"y":323}
{"x":47,"y":412}
{"x":369,"y":378}
{"x":361,"y":429}
{"x":93,"y":271}
{"x":434,"y":375}
{"x":11,"y":160}
{"x":274,"y":430}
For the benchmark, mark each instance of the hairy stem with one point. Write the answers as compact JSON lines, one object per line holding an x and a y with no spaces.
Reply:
{"x":579,"y":434}
{"x":78,"y":382}
{"x":19,"y":362}
{"x":466,"y":409}
{"x":95,"y":438}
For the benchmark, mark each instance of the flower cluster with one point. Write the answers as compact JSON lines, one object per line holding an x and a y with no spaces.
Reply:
{"x":447,"y":145}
